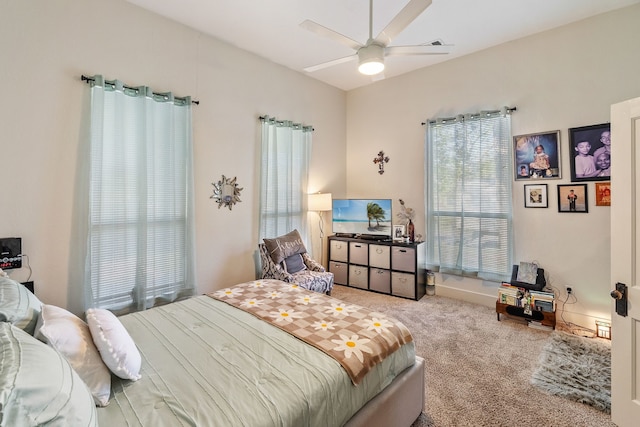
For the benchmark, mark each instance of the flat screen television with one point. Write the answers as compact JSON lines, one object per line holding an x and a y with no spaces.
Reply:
{"x":362,"y":217}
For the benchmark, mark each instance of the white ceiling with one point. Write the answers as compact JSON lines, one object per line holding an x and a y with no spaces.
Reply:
{"x":271,"y":28}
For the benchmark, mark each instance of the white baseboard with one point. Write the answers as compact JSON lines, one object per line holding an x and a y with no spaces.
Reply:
{"x":489,"y":300}
{"x":466,"y":295}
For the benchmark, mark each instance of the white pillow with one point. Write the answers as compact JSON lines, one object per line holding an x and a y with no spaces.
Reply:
{"x":70,"y":336}
{"x":116,"y":346}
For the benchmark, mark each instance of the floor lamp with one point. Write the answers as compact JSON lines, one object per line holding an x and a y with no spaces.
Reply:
{"x":320,"y":202}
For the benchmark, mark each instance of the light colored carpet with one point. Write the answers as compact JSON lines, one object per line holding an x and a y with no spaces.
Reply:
{"x":478,"y":370}
{"x":576,"y":368}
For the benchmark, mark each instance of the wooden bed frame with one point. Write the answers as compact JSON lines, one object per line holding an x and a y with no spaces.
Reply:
{"x":400,"y":404}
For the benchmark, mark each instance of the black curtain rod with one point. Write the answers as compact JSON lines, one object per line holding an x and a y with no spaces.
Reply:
{"x":91,"y":79}
{"x":509,"y":109}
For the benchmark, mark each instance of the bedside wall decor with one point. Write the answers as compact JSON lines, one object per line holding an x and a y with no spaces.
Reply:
{"x":380,"y":161}
{"x":226,"y":192}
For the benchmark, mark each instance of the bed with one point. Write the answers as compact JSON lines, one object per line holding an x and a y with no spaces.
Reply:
{"x":206,"y":362}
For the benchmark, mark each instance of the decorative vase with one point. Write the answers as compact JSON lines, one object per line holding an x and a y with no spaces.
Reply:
{"x":411,"y":232}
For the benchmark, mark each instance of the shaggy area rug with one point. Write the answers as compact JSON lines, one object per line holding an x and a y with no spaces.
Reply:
{"x":576,"y":368}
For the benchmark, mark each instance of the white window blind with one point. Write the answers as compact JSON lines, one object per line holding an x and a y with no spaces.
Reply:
{"x":140,"y":233}
{"x":469,"y":202}
{"x":286,"y":150}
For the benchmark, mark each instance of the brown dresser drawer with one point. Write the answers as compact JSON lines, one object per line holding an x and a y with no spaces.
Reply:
{"x":358,"y":276}
{"x":403,"y":284}
{"x":339,"y":251}
{"x":403,"y":259}
{"x":358,"y":253}
{"x":380,"y":280}
{"x":339,"y":271}
{"x":380,"y":256}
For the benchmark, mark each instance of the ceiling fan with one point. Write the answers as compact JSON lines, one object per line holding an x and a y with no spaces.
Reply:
{"x":371,"y":54}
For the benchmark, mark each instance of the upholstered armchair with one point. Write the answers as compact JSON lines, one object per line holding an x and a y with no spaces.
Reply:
{"x":312,"y":276}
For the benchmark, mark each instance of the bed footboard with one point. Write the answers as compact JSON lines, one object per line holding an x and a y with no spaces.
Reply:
{"x":400,"y":404}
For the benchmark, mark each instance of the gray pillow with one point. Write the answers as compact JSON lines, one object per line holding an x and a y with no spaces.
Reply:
{"x":293,"y":264}
{"x":39,"y":385}
{"x":284,"y":246}
{"x":18,"y":305}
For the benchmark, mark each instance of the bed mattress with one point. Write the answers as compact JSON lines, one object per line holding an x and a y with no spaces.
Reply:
{"x":206,"y":363}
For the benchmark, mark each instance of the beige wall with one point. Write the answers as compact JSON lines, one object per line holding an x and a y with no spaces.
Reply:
{"x":559,"y":79}
{"x":45,"y":47}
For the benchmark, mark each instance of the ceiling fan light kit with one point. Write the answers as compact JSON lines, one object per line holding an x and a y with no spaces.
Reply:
{"x":371,"y":59}
{"x":371,"y":55}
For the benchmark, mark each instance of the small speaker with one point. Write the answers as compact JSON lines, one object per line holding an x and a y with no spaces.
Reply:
{"x":519,"y":311}
{"x":10,"y":253}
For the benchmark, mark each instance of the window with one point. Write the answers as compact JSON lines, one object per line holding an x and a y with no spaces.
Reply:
{"x":286,"y":149}
{"x":140,"y":232}
{"x":469,"y":202}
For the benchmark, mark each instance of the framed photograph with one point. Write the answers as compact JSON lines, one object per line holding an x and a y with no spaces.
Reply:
{"x":573,"y":198}
{"x":535,"y":196}
{"x":603,"y":193}
{"x":398,"y":232}
{"x":590,"y":148}
{"x":537,"y":155}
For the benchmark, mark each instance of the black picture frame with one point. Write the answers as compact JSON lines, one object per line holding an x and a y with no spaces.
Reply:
{"x":535,"y":196}
{"x":581,"y":200}
{"x":524,"y":152}
{"x":590,"y":165}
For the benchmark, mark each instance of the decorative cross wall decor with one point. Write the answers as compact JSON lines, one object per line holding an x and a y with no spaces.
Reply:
{"x":380,"y":161}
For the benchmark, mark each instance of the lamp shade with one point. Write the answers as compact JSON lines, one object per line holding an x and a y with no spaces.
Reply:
{"x":319,"y":202}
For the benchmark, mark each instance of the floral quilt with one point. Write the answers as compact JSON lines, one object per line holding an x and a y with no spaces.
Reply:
{"x":354,"y":336}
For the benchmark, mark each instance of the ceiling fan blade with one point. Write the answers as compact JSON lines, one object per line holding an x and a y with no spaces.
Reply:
{"x":330,"y":63}
{"x":329,"y":33}
{"x":416,"y":50}
{"x":406,"y":16}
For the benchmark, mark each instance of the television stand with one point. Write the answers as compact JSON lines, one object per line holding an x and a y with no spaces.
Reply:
{"x":546,"y":318}
{"x":382,"y":266}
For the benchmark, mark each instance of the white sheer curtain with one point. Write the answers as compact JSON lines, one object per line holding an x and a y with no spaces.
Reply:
{"x":286,"y":151}
{"x":140,"y":243}
{"x":468,"y":195}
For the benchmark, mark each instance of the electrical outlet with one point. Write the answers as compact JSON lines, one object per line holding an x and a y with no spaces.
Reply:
{"x":569,"y":290}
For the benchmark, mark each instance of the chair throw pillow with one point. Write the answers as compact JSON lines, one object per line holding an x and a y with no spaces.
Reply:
{"x":284,"y":246}
{"x":294,"y":263}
